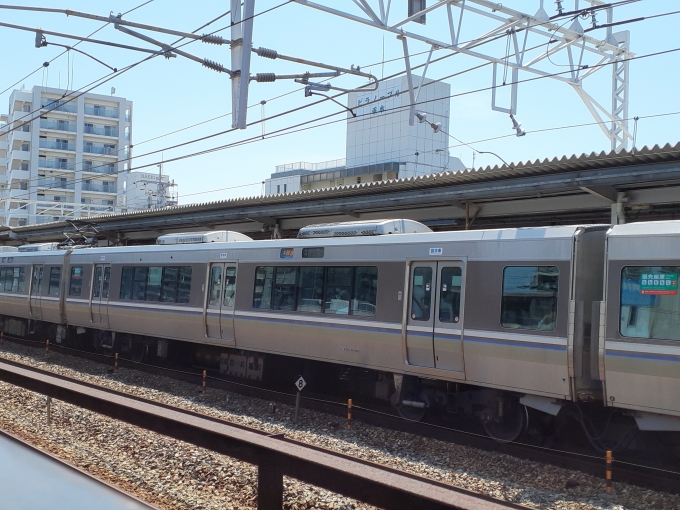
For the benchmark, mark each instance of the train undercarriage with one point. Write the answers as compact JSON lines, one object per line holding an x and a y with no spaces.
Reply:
{"x":505,"y":416}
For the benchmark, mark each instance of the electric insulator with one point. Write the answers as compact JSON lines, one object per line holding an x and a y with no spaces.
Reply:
{"x":267,"y":53}
{"x":265,"y":77}
{"x":214,"y":66}
{"x":213,"y":39}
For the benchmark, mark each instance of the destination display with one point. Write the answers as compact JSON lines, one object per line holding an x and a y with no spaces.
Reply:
{"x":660,"y":284}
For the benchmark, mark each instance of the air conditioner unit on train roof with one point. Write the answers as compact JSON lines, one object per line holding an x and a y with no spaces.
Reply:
{"x":7,"y":249}
{"x":362,"y":228}
{"x":39,"y":247}
{"x":219,"y":236}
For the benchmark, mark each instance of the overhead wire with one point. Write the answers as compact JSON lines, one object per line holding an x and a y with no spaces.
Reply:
{"x":109,"y":76}
{"x":314,"y":120}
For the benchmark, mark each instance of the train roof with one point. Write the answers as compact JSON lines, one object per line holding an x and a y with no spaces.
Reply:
{"x":646,"y":228}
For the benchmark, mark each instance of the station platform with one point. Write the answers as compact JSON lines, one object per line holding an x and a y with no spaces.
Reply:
{"x":33,"y":480}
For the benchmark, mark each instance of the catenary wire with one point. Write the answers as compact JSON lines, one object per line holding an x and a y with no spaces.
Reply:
{"x":315,"y":120}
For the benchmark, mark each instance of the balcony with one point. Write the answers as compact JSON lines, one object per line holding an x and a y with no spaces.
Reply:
{"x":100,"y":168}
{"x":102,"y":131}
{"x":56,"y":164}
{"x":55,"y":184}
{"x":56,"y":106}
{"x":102,"y":111}
{"x":58,"y":125}
{"x":100,"y":188}
{"x":19,"y":175}
{"x":62,"y":146}
{"x":97,"y":149}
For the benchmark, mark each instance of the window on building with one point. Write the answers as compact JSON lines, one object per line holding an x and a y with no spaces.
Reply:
{"x":25,"y":128}
{"x":23,"y":166}
{"x":24,"y":147}
{"x":168,"y":284}
{"x":76,"y":283}
{"x":285,"y":188}
{"x":529,"y":297}
{"x":278,"y":189}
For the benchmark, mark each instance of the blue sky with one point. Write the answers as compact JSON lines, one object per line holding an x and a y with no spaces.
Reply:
{"x":172,"y":94}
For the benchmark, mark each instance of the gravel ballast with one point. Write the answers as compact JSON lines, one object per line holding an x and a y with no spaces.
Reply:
{"x":173,"y":475}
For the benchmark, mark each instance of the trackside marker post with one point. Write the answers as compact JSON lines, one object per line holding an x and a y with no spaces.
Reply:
{"x":299,"y":384}
{"x":609,"y":461}
{"x":115,"y":363}
{"x":47,"y":346}
{"x":205,"y":373}
{"x":349,"y":414}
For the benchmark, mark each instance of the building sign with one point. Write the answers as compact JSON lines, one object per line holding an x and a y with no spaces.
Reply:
{"x":367,"y":100}
{"x":660,"y":284}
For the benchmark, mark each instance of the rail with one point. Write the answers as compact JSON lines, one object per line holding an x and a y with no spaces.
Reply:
{"x":275,"y":456}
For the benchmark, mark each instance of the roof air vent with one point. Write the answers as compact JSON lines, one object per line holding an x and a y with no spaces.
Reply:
{"x":362,"y":228}
{"x":39,"y":247}
{"x":220,"y":236}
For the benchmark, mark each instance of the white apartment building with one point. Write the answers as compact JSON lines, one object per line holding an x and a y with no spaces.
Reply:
{"x":62,"y":160}
{"x":141,"y":191}
{"x":381,"y":144}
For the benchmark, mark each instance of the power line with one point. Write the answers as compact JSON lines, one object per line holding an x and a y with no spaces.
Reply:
{"x":118,"y":73}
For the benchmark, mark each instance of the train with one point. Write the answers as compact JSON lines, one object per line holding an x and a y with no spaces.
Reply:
{"x":499,"y":324}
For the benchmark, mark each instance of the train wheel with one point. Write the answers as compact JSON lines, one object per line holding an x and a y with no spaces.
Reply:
{"x":411,"y":413}
{"x":510,"y":425}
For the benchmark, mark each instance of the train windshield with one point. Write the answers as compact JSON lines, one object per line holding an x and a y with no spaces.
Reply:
{"x":650,"y":305}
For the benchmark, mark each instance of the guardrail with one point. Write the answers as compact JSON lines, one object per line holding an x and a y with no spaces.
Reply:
{"x":273,"y":455}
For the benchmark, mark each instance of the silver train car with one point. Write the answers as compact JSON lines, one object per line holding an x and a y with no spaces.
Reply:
{"x":490,"y":322}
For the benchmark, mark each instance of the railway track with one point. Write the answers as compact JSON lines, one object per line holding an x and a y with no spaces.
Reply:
{"x":627,"y":468}
{"x":366,"y":481}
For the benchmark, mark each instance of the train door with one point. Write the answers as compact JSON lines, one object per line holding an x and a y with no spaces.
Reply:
{"x":448,"y":320}
{"x":219,"y":317}
{"x":99,"y":302}
{"x":36,"y":291}
{"x":420,"y":321}
{"x":434,"y":327}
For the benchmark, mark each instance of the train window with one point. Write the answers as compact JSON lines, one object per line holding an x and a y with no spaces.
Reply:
{"x":106,"y":282}
{"x":365,"y":291}
{"x":126,"y":279}
{"x":76,"y":284}
{"x":55,"y":280}
{"x":97,"y":284}
{"x":169,"y":290}
{"x":139,"y":283}
{"x":184,"y":284}
{"x":338,"y":290}
{"x":262,"y":294}
{"x":449,"y":300}
{"x":285,"y":285}
{"x":215,"y":289}
{"x":153,"y":284}
{"x":310,"y":289}
{"x":37,"y":280}
{"x":650,"y":305}
{"x":529,"y":297}
{"x":229,"y":286}
{"x":422,"y":294}
{"x":169,"y":284}
{"x":13,"y":279}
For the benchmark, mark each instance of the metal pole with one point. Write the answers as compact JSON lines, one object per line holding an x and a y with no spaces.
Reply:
{"x":49,"y":411}
{"x":47,"y":347}
{"x":609,"y":461}
{"x":297,"y":405}
{"x":115,"y":363}
{"x":203,"y":384}
{"x":349,"y":414}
